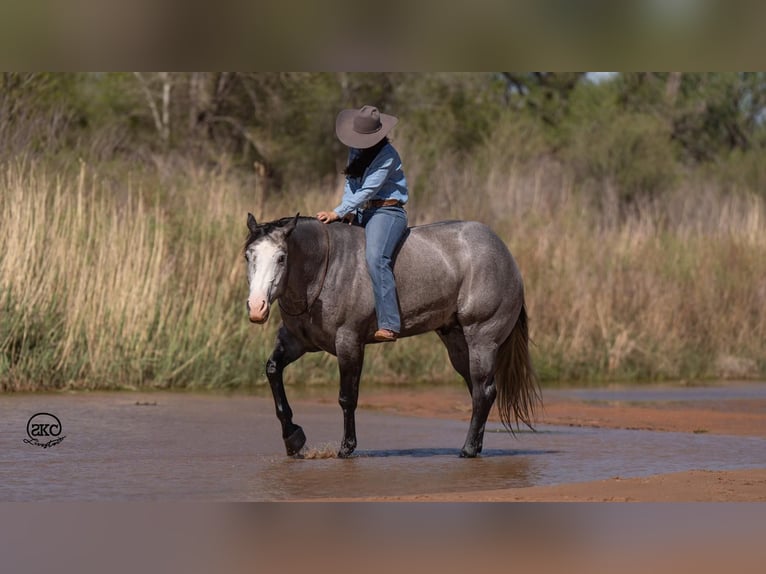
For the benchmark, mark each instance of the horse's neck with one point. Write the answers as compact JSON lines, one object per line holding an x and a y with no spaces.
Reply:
{"x":307,"y":247}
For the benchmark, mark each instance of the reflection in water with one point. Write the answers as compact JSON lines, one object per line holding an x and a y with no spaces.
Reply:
{"x":392,"y":472}
{"x":213,"y":447}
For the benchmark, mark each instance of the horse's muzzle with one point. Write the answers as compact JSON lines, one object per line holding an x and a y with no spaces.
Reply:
{"x":258,"y":311}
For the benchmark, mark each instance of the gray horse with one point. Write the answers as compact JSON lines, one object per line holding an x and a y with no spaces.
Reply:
{"x":456,"y":278}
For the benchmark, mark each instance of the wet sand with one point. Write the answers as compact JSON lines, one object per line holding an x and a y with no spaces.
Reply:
{"x":736,"y":416}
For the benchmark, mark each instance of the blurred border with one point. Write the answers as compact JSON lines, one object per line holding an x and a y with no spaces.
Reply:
{"x":368,"y":537}
{"x":338,"y":34}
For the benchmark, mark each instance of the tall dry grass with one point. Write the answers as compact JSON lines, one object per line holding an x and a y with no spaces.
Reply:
{"x":110,"y":284}
{"x":672,"y":287}
{"x":101,"y":290}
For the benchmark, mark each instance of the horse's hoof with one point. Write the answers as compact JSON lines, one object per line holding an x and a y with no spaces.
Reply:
{"x":294,"y":443}
{"x":346,"y":451}
{"x":468,"y":453}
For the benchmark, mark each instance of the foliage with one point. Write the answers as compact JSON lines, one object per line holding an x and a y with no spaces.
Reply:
{"x":635,"y":131}
{"x":630,"y":153}
{"x":634,"y":207}
{"x":709,"y":113}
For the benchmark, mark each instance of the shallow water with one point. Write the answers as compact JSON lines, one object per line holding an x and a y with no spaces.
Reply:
{"x":668,"y":393}
{"x":179,"y":446}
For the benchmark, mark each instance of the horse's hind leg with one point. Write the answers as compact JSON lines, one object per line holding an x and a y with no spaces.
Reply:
{"x":286,"y":350}
{"x":482,"y":366}
{"x":457,"y":349}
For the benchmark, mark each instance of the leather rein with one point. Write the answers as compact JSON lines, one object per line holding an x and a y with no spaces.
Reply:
{"x":310,"y":301}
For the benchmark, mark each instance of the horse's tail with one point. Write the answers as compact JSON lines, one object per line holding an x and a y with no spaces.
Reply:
{"x":518,"y":390}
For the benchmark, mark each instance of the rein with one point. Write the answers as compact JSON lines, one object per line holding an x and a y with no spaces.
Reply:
{"x":310,"y":302}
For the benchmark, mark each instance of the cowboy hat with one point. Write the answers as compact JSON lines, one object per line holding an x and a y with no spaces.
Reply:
{"x":363,"y":128}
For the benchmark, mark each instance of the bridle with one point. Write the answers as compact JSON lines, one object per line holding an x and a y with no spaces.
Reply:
{"x":311,"y":300}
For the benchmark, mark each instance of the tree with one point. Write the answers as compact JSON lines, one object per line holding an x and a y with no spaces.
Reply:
{"x":158,"y":100}
{"x":709,"y":113}
{"x":545,"y":94}
{"x":39,"y":111}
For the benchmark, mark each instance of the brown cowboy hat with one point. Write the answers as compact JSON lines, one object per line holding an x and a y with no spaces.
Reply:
{"x":364,"y":127}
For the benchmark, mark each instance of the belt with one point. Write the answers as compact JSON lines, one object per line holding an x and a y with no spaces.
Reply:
{"x":382,"y":203}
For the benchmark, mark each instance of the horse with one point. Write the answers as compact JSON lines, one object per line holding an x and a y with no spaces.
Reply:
{"x":456,"y":278}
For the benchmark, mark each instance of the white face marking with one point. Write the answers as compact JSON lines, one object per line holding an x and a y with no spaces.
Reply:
{"x":265,"y":267}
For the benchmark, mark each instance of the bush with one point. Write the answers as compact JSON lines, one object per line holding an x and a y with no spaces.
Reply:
{"x":631,"y":152}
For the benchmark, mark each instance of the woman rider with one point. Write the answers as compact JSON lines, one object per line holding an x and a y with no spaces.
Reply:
{"x":376,"y":186}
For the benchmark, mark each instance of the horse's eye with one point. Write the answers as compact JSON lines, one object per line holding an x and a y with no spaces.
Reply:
{"x":281,"y":259}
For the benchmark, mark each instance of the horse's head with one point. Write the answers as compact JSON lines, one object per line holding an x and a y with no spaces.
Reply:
{"x":266,"y":255}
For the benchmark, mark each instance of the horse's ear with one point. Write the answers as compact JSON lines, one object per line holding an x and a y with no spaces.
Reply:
{"x":252,"y":225}
{"x":291,"y":225}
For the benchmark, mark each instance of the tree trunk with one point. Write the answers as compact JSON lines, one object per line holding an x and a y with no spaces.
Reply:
{"x":672,"y":87}
{"x":160,"y":113}
{"x":166,"y":87}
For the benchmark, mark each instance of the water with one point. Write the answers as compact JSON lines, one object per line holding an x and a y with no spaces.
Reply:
{"x":179,"y":446}
{"x":668,"y":393}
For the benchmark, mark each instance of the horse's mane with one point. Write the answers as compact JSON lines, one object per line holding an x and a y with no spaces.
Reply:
{"x":266,"y":228}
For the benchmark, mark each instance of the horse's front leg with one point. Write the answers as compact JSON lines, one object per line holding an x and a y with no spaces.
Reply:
{"x":350,"y":354}
{"x":286,"y":350}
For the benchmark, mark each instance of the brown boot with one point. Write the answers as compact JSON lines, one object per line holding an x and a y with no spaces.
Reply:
{"x":385,"y":335}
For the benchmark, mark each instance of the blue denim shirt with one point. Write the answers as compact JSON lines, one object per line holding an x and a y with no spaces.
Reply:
{"x":383,"y":179}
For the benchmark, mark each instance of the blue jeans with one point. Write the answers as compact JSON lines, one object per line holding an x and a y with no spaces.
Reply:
{"x":384,"y":228}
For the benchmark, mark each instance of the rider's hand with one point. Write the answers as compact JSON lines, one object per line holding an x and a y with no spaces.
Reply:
{"x":327,"y":216}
